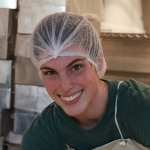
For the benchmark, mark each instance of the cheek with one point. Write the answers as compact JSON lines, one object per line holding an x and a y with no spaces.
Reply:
{"x":89,"y":78}
{"x":50,"y":86}
{"x":84,"y":78}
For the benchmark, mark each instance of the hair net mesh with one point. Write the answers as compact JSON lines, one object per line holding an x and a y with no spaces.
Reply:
{"x":56,"y":34}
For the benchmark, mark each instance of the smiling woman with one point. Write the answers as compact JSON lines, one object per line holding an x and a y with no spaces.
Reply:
{"x":73,"y":84}
{"x":88,"y":112}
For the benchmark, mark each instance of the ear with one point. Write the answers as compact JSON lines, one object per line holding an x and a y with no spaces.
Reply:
{"x":100,"y":61}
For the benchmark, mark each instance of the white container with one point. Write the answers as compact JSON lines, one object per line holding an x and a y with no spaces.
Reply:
{"x":122,"y":16}
{"x":5,"y":83}
{"x":31,"y":98}
{"x":11,"y":4}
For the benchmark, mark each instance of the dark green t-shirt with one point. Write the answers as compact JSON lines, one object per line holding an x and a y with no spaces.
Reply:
{"x":53,"y":129}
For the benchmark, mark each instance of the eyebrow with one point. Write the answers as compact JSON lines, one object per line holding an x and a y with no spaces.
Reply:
{"x":70,"y":64}
{"x":74,"y":61}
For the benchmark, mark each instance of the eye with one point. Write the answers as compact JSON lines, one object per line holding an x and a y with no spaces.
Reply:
{"x":50,"y":73}
{"x":76,"y":67}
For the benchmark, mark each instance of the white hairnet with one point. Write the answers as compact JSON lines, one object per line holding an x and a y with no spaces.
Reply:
{"x":57,"y":33}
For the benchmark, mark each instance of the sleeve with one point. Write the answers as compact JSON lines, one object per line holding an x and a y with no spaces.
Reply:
{"x":36,"y":137}
{"x":43,"y":133}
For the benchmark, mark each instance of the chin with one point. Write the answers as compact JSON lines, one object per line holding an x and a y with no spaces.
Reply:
{"x":73,"y":112}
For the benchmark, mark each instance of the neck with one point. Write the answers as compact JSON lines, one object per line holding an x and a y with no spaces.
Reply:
{"x":95,"y":113}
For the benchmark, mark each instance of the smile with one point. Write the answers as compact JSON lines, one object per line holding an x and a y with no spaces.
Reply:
{"x":71,"y":98}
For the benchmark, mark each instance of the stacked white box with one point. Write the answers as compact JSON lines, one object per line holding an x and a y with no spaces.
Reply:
{"x":31,"y":98}
{"x":29,"y":102}
{"x":5,"y":83}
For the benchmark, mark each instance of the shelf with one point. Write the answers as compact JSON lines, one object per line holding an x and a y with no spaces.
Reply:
{"x":121,"y":75}
{"x":125,"y":36}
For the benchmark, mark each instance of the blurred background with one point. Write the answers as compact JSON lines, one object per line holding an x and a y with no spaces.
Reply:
{"x":124,"y":31}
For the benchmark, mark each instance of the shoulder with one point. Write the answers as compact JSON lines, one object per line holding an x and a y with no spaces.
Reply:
{"x":135,"y":86}
{"x":129,"y":84}
{"x":43,"y":133}
{"x":133,"y":109}
{"x":133,"y":93}
{"x":133,"y":100}
{"x":129,"y":91}
{"x":137,"y":93}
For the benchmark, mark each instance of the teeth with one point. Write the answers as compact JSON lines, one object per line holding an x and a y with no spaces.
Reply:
{"x":71,"y":98}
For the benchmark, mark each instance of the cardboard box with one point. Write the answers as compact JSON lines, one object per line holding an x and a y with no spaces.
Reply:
{"x":127,"y":55}
{"x":4,"y":21}
{"x":31,"y":12}
{"x":3,"y":48}
{"x":145,"y":17}
{"x":26,"y":73}
{"x":22,"y":47}
{"x":13,"y":147}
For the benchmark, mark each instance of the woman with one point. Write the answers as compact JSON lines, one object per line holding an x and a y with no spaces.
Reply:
{"x":88,"y":112}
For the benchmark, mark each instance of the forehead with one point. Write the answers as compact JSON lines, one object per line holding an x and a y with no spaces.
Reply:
{"x":62,"y":61}
{"x":75,"y":48}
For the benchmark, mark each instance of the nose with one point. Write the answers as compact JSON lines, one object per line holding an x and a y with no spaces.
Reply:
{"x":66,"y":84}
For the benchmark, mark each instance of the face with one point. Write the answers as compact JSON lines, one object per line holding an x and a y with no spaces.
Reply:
{"x":72,"y":82}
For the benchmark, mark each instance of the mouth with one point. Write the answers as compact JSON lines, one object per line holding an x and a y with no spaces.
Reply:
{"x":71,"y":98}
